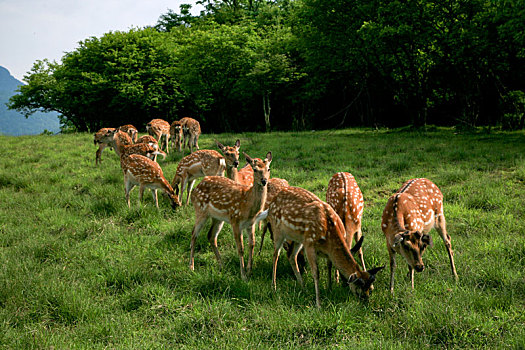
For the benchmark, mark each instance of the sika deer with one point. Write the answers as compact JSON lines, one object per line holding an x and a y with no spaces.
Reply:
{"x":345,"y":197}
{"x":142,"y":171}
{"x":101,"y":145}
{"x":275,"y":185}
{"x":408,"y":217}
{"x":119,"y":140}
{"x":192,"y":130}
{"x":158,"y":128}
{"x":222,"y":199}
{"x":176,"y":135}
{"x":205,"y":163}
{"x":300,"y":216}
{"x":131,"y":131}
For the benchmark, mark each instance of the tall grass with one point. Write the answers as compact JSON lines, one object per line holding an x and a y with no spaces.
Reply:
{"x":80,"y":270}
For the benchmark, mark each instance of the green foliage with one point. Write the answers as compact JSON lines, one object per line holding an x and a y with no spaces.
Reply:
{"x":81,"y":270}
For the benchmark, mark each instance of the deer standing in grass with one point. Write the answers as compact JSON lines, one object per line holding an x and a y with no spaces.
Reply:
{"x":159,"y":128}
{"x":176,"y":135}
{"x":191,"y":130}
{"x":224,"y":200}
{"x":131,"y":131}
{"x":300,"y":216}
{"x":119,"y":140}
{"x":144,"y":172}
{"x":409,"y":215}
{"x":101,"y":145}
{"x":205,"y":163}
{"x":345,"y":197}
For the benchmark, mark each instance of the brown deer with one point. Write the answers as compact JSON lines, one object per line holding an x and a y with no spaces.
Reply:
{"x":275,"y":185}
{"x":131,"y":131}
{"x":101,"y":145}
{"x":300,"y":216}
{"x":409,"y":215}
{"x":223,"y":199}
{"x":191,"y":130}
{"x":142,"y":171}
{"x":147,"y":139}
{"x":345,"y":197}
{"x":205,"y":163}
{"x":176,"y":135}
{"x":120,"y":141}
{"x":159,"y":128}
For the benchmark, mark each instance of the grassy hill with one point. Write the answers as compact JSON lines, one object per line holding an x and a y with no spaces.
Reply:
{"x":81,"y":270}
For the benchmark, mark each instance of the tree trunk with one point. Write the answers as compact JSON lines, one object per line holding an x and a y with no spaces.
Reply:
{"x":266,"y":109}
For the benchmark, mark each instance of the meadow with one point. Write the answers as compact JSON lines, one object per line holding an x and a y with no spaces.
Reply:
{"x":80,"y":270}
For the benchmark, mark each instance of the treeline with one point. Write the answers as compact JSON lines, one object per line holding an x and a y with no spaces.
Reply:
{"x":259,"y":65}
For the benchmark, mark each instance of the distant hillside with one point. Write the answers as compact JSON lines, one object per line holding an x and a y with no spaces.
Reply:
{"x":14,"y":123}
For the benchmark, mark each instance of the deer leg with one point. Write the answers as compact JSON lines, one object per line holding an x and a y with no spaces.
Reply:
{"x":358,"y":236}
{"x":411,"y":275}
{"x":251,"y":248}
{"x":141,"y":193}
{"x":98,"y":154}
{"x":213,"y":233}
{"x":199,"y":223}
{"x":237,"y":234}
{"x":441,"y":227}
{"x":188,"y":189}
{"x":312,"y":260}
{"x":128,"y":186}
{"x":392,"y":255}
{"x":329,"y":270}
{"x":277,"y":245}
{"x":292,"y":258}
{"x":197,"y":142}
{"x":155,"y":198}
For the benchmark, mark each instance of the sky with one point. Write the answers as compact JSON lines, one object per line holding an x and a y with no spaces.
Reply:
{"x":32,"y":30}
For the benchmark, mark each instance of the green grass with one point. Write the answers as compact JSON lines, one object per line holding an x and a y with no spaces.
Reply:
{"x":81,"y":270}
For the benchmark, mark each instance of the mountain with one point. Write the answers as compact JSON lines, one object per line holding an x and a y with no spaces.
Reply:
{"x":14,"y":123}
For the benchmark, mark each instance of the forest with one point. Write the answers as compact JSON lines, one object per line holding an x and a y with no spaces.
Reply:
{"x":260,"y":65}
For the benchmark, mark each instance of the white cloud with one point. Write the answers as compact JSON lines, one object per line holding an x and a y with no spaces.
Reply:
{"x":32,"y":30}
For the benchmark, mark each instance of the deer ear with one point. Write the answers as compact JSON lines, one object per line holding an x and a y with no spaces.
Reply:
{"x":357,"y":246}
{"x":248,"y":158}
{"x":398,"y":239}
{"x":353,"y":278}
{"x":375,"y":270}
{"x":269,"y":157}
{"x":220,"y":145}
{"x":238,"y":143}
{"x":427,"y":240}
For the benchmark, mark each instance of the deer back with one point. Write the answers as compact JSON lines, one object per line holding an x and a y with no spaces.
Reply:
{"x":345,"y":197}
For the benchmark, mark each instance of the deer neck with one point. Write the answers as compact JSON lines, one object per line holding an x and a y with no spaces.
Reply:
{"x":232,"y":173}
{"x":256,"y":195}
{"x":343,"y":260}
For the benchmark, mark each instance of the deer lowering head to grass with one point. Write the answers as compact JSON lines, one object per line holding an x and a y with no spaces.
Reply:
{"x":345,"y":197}
{"x":191,"y":130}
{"x":409,"y":215}
{"x":160,"y":129}
{"x":131,"y":131}
{"x":298,"y":215}
{"x":205,"y":163}
{"x":97,"y":140}
{"x":224,"y":200}
{"x":176,"y":135}
{"x":144,"y":172}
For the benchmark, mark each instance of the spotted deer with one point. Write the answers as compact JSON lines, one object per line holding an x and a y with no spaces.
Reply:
{"x":131,"y":131}
{"x":176,"y":135}
{"x":120,"y":141}
{"x":191,"y":130}
{"x":147,"y":139}
{"x":144,"y":172}
{"x":345,"y":197}
{"x":275,"y":185}
{"x":101,"y":145}
{"x":409,"y":215}
{"x":205,"y":163}
{"x":224,"y":200}
{"x":298,"y":215}
{"x":159,"y":128}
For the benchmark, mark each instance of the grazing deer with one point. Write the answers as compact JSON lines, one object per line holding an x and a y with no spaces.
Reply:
{"x":176,"y":135}
{"x":345,"y":197}
{"x":131,"y":131}
{"x":300,"y":216}
{"x":120,"y":141}
{"x":408,"y":217}
{"x":224,"y":200}
{"x":192,"y":130}
{"x":205,"y":163}
{"x":101,"y":145}
{"x":159,"y":128}
{"x":142,"y":171}
{"x":147,"y":139}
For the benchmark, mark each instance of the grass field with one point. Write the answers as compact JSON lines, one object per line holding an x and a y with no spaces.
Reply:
{"x":81,"y":270}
